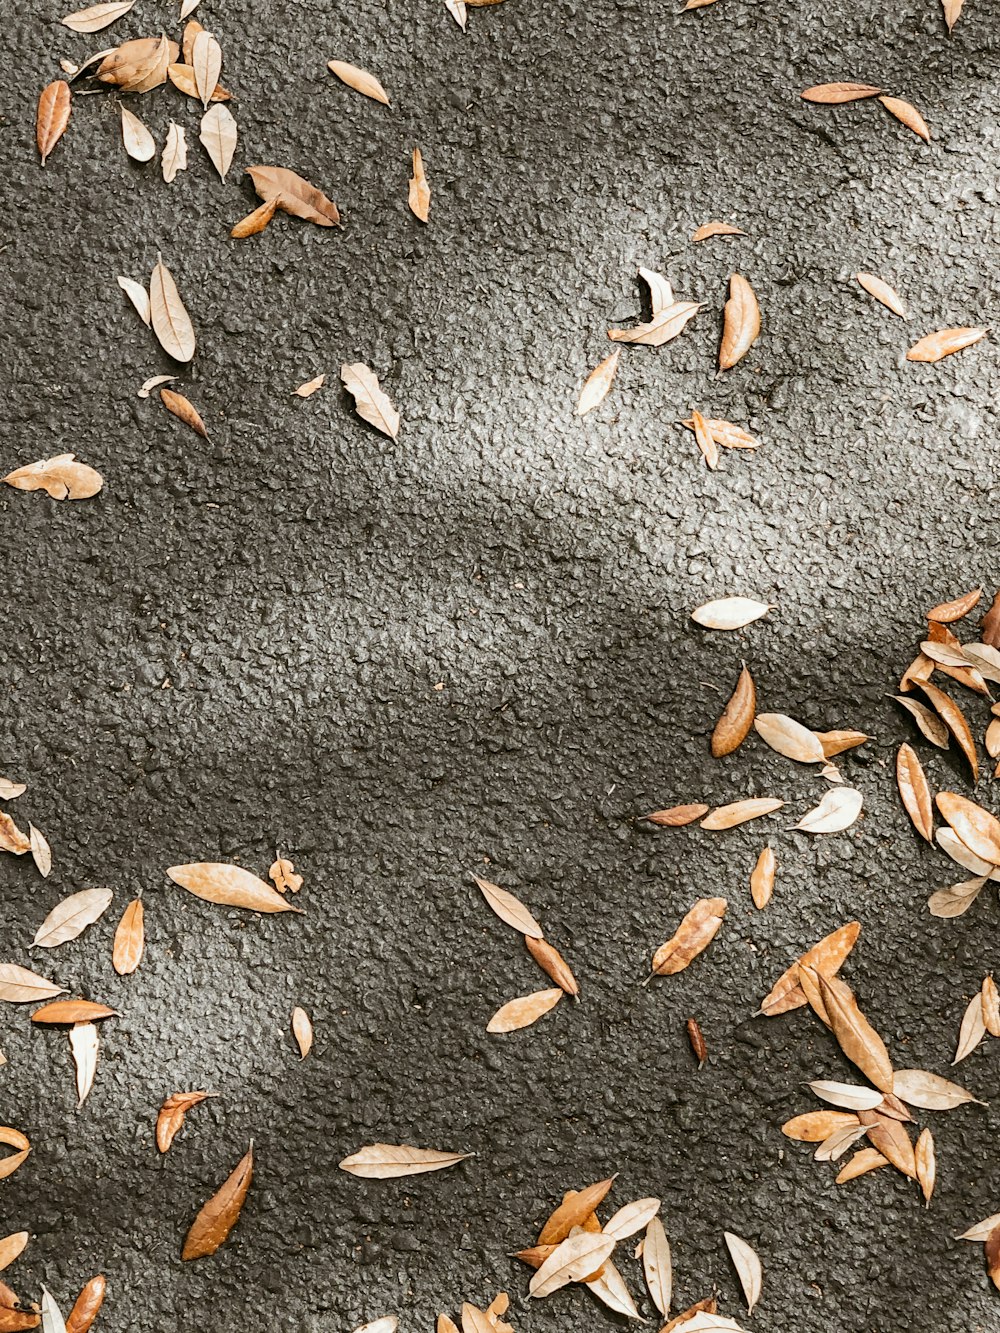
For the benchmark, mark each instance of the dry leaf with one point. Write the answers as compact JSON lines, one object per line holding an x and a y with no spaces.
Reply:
{"x":130,"y":938}
{"x":952,"y":9}
{"x":11,"y":837}
{"x":73,"y":1011}
{"x":941,"y":641}
{"x":890,"y":1139}
{"x":41,"y":852}
{"x":826,"y":957}
{"x":19,"y":986}
{"x":946,"y":613}
{"x":836,"y":811}
{"x":387,"y":1324}
{"x":182,"y":77}
{"x":456,"y":8}
{"x":282,"y":872}
{"x":553,"y":964}
{"x":206,"y":61}
{"x":835,"y":94}
{"x":138,"y":66}
{"x":981,"y":1230}
{"x":139,"y":143}
{"x":53,"y":116}
{"x":657,"y":1265}
{"x":631,"y":1218}
{"x":748,"y":1268}
{"x":990,"y":624}
{"x":524,"y":1011}
{"x":232,"y":886}
{"x":737,"y":717}
{"x":573,"y":1259}
{"x":741,"y":323}
{"x":575,"y":1208}
{"x":696,"y":1038}
{"x":725,"y":434}
{"x":87,"y":1305}
{"x":359,"y":79}
{"x":789,"y":738}
{"x":10,"y":790}
{"x":974,"y":826}
{"x":84,"y":1044}
{"x":991,"y":1006}
{"x":309,"y":388}
{"x":662,"y":328}
{"x":914,"y":791}
{"x":661,"y":293}
{"x":943,"y":343}
{"x":170,"y":321}
{"x":730,"y":612}
{"x":610,"y":1290}
{"x":956,"y":899}
{"x":97,"y":17}
{"x":850,"y":1096}
{"x":13,"y":1138}
{"x":709,"y":229}
{"x":931,"y":1092}
{"x":445,"y":1324}
{"x":883,"y":292}
{"x":695,"y":933}
{"x":762,"y":879}
{"x":985,"y":659}
{"x":171,"y":1115}
{"x":384,"y":1161}
{"x":139,"y":297}
{"x":302,"y":1031}
{"x":292,"y":194}
{"x":61,"y":477}
{"x":191,"y":31}
{"x":952,"y":845}
{"x":371,"y":403}
{"x":71,"y":917}
{"x":908,"y":115}
{"x":677,"y":816}
{"x":930,"y":725}
{"x":868,"y":1159}
{"x":598,"y":384}
{"x":508,"y":908}
{"x":706,"y":443}
{"x":174,"y":157}
{"x":741,"y":812}
{"x":52,"y":1320}
{"x":218,"y":133}
{"x":419,"y":197}
{"x":973,"y":1029}
{"x":706,"y":1306}
{"x":926,"y":1164}
{"x":855,"y":1035}
{"x":183,"y":410}
{"x":220,"y":1214}
{"x":255,"y":222}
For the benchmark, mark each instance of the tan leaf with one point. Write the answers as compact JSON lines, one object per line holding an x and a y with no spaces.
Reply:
{"x":835,"y":94}
{"x":914,"y":791}
{"x":191,"y":31}
{"x":943,"y":343}
{"x":9,"y":790}
{"x":183,"y":410}
{"x":292,"y":194}
{"x":71,"y":917}
{"x":302,"y":1031}
{"x":762,"y":879}
{"x":748,"y":1268}
{"x":474,"y":1320}
{"x":232,"y":886}
{"x":706,"y":1306}
{"x":631,"y":1218}
{"x":729,"y":613}
{"x":964,"y":667}
{"x":981,"y":1230}
{"x":598,"y":384}
{"x":220,"y":1214}
{"x":255,"y":222}
{"x":952,"y":845}
{"x":84,"y":1043}
{"x":573,"y":1259}
{"x":130,"y":938}
{"x":662,"y":328}
{"x":657,"y":1265}
{"x":836,"y":742}
{"x":926,"y":1164}
{"x":610,"y":1290}
{"x":371,"y":402}
{"x":171,"y":1115}
{"x":53,"y":116}
{"x":908,"y":115}
{"x":930,"y":725}
{"x":139,"y":297}
{"x":445,"y":1324}
{"x":19,"y":986}
{"x":855,"y":1035}
{"x":508,"y":908}
{"x":945,"y":654}
{"x":946,"y":613}
{"x":97,"y":17}
{"x":973,"y":1029}
{"x":174,"y":157}
{"x":868,"y":1159}
{"x":677,"y":816}
{"x":138,"y":66}
{"x":384,"y":1161}
{"x":974,"y":826}
{"x":836,"y":811}
{"x":956,"y":899}
{"x":61,"y":477}
{"x":41,"y":852}
{"x":991,"y":1006}
{"x":705,"y":441}
{"x":850,"y":1096}
{"x":661,"y":293}
{"x":985,"y":659}
{"x":725,"y":434}
{"x":889,"y":1138}
{"x":695,"y":933}
{"x":930,"y":1092}
{"x":809,"y":982}
{"x":952,"y":9}
{"x":741,"y":322}
{"x":11,"y":1246}
{"x":419,"y":197}
{"x":741,"y":812}
{"x":737,"y":717}
{"x":992,"y":739}
{"x":13,"y":1138}
{"x":11,"y":837}
{"x":182,"y":77}
{"x":139,"y":143}
{"x":387,"y":1324}
{"x":282,"y":872}
{"x":553,"y":964}
{"x":573,"y":1211}
{"x":990,"y":624}
{"x":709,"y":229}
{"x":206,"y":61}
{"x":826,"y":957}
{"x":171,"y":322}
{"x":456,"y":8}
{"x":218,"y":134}
{"x":919,"y":670}
{"x":73,"y":1011}
{"x":359,"y":79}
{"x":884,"y":293}
{"x":833,"y":1148}
{"x":789,"y":738}
{"x":309,"y":388}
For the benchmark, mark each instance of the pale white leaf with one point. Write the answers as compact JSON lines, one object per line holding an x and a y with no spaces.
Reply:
{"x":97,"y":17}
{"x":174,"y":157}
{"x":730,"y":612}
{"x":789,"y":738}
{"x":218,"y":133}
{"x":631,"y":1218}
{"x":598,"y":384}
{"x":383,"y":1161}
{"x":372,"y":403}
{"x":973,"y":1029}
{"x":138,"y":295}
{"x":154,"y":383}
{"x":170,"y":320}
{"x":610,"y":1290}
{"x":206,"y":60}
{"x":657,"y":1265}
{"x":574,"y":1258}
{"x":71,"y":917}
{"x":139,"y":143}
{"x":957,"y":898}
{"x":834,"y":1147}
{"x":748,"y":1268}
{"x":458,"y":11}
{"x":41,"y":852}
{"x":837,"y":811}
{"x":84,"y":1044}
{"x":931,"y":1092}
{"x":52,"y":1320}
{"x":851,"y":1096}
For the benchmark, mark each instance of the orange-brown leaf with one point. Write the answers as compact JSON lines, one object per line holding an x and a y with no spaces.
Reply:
{"x":292,"y":194}
{"x":171,"y":1115}
{"x":835,"y":94}
{"x":220,"y":1214}
{"x":946,"y":613}
{"x":944,"y":342}
{"x":709,"y":229}
{"x":855,"y":1035}
{"x":733,"y":726}
{"x":677,"y":816}
{"x":976,"y":827}
{"x":553,"y":964}
{"x":73,"y":1011}
{"x":914,"y":791}
{"x":53,"y":116}
{"x":908,"y":115}
{"x":826,"y":957}
{"x":817,"y":1126}
{"x":88,"y":1303}
{"x":741,"y":322}
{"x":573,"y":1211}
{"x":956,"y":722}
{"x":762,"y":879}
{"x":129,"y":939}
{"x":695,"y":933}
{"x":184,"y":410}
{"x":255,"y":222}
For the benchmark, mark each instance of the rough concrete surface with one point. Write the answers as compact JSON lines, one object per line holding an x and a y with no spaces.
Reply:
{"x":471,"y":649}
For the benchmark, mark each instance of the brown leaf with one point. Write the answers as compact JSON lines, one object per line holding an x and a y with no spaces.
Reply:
{"x":255,"y":222}
{"x":524,"y":1011}
{"x":931,"y":726}
{"x":990,"y":624}
{"x":13,"y":1138}
{"x":826,"y":957}
{"x":184,"y":410}
{"x":957,"y":898}
{"x":13,"y":1245}
{"x":954,"y":719}
{"x":573,"y":1259}
{"x":60,"y":477}
{"x":13,"y":1321}
{"x":976,"y":827}
{"x":85,"y":1044}
{"x":87,"y":1305}
{"x":53,"y":116}
{"x":419,"y":197}
{"x":835,"y":94}
{"x":129,"y":939}
{"x":992,"y":1252}
{"x":706,"y":1306}
{"x":925,"y":1161}
{"x":170,"y":320}
{"x":710,"y":229}
{"x":882,"y":292}
{"x":370,"y":400}
{"x":302,"y":1031}
{"x":817,"y":1126}
{"x":836,"y":742}
{"x":292,"y":194}
{"x":725,"y":434}
{"x":855,"y":1035}
{"x":908,"y":115}
{"x":553,"y":964}
{"x":191,"y":30}
{"x":206,"y":62}
{"x":705,"y":441}
{"x":384,"y":1161}
{"x":991,"y":1006}
{"x":741,"y":322}
{"x":359,"y":79}
{"x":657,"y":1265}
{"x":946,"y":613}
{"x":220,"y":1214}
{"x":573,"y":1211}
{"x":677,"y":816}
{"x":182,"y":77}
{"x":789,"y":738}
{"x":890,"y":1138}
{"x":741,"y":812}
{"x":218,"y":882}
{"x":509,"y":909}
{"x":944,"y":342}
{"x":73,"y":1011}
{"x":762,"y":879}
{"x":171,"y":1115}
{"x":598,"y":384}
{"x":914,"y":791}
{"x":695,"y":933}
{"x":868,"y":1159}
{"x":697,"y":1039}
{"x":71,"y":917}
{"x":737,"y":718}
{"x":19,"y":986}
{"x":282,"y":873}
{"x":138,"y":66}
{"x":661,"y":329}
{"x":11,"y":837}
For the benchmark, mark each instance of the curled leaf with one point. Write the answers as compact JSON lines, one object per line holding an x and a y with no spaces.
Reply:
{"x":737,"y":717}
{"x":553,"y":964}
{"x":171,"y":1115}
{"x":372,"y":403}
{"x":292,"y":194}
{"x":255,"y":222}
{"x":741,"y":322}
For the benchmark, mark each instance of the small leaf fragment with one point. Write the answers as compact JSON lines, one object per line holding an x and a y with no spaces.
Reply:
{"x":709,"y":229}
{"x":307,"y":389}
{"x":84,"y":1043}
{"x":171,"y":1115}
{"x":139,"y":297}
{"x":419,"y":195}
